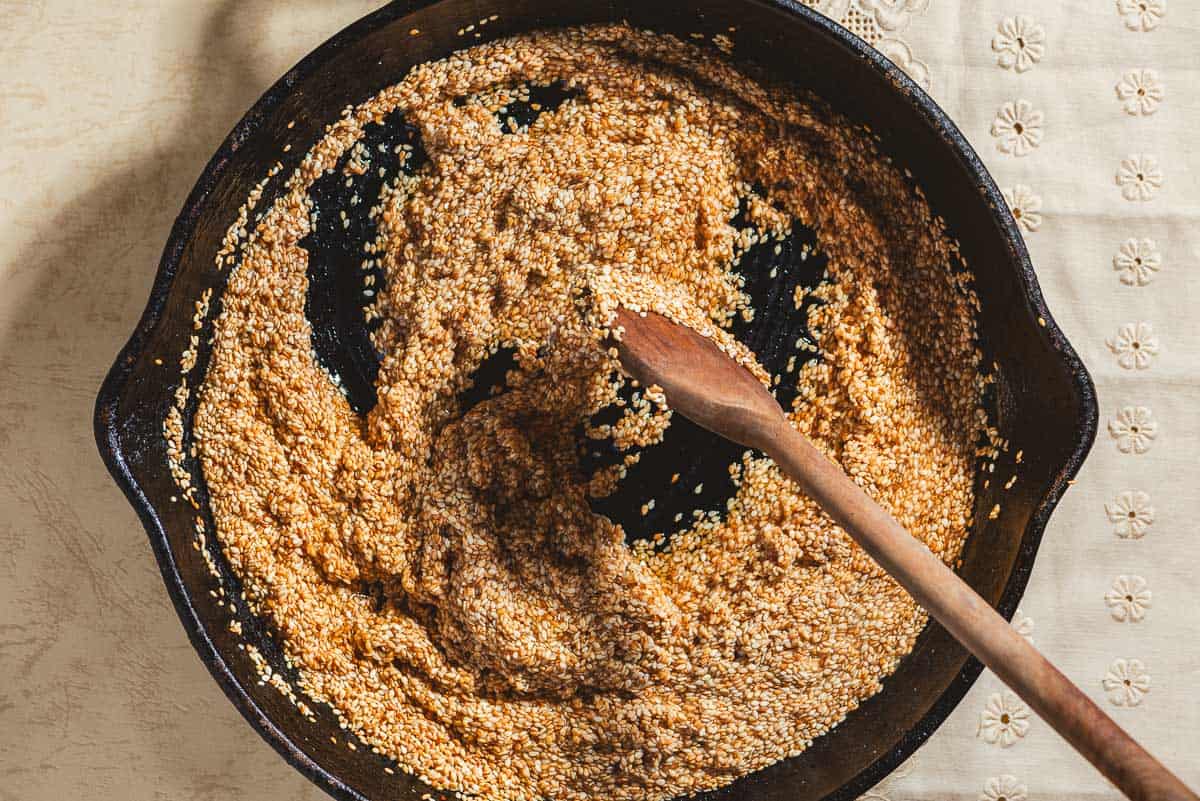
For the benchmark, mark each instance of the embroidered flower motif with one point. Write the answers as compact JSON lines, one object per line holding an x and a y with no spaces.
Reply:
{"x":1131,"y":514}
{"x":1128,"y":599}
{"x":1126,"y":682}
{"x":1017,"y":128}
{"x":1142,"y":15}
{"x":1004,"y":720}
{"x":1003,"y":788}
{"x":1020,"y":42}
{"x":1140,"y":91}
{"x":1134,"y":429}
{"x":893,"y":15}
{"x":1023,"y":624}
{"x":1137,"y":261}
{"x":877,"y":22}
{"x":1139,"y":177}
{"x":1026,"y":206}
{"x":879,"y":791}
{"x":903,"y":58}
{"x":1134,"y":345}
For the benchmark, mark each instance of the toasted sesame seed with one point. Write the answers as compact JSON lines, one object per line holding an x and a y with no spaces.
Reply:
{"x":435,"y":572}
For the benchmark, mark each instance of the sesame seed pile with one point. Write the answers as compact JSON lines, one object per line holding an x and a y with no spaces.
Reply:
{"x":511,"y":644}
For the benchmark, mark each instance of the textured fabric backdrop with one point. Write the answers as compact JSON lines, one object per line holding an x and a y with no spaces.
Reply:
{"x":1084,"y":111}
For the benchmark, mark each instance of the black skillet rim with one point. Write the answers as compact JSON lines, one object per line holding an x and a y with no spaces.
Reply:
{"x":107,"y":434}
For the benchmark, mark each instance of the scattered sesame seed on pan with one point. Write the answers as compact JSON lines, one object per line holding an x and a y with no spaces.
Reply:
{"x":434,"y":572}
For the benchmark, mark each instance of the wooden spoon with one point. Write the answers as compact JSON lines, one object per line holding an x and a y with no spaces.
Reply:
{"x":705,"y":385}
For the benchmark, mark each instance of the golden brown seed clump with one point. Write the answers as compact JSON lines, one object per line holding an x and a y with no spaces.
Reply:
{"x":521,"y":649}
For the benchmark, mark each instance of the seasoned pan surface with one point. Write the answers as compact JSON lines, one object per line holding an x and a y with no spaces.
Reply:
{"x":1043,"y":403}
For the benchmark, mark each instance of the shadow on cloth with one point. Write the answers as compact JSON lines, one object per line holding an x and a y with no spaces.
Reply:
{"x":93,"y":643}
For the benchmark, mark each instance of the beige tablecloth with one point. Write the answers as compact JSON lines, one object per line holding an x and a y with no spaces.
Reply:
{"x":108,"y":111}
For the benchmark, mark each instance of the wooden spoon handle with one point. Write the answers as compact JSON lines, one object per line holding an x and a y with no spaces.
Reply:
{"x":974,"y":623}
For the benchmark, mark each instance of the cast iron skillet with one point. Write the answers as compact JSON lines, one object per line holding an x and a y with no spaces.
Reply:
{"x":1044,"y":401}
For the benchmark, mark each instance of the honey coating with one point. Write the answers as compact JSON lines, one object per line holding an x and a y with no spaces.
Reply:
{"x":438,"y":577}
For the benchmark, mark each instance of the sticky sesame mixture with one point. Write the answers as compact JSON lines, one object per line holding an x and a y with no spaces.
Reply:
{"x":435,"y":572}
